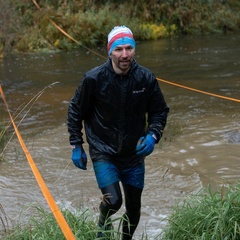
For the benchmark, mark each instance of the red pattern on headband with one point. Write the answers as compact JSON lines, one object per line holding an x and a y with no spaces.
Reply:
{"x":117,"y":36}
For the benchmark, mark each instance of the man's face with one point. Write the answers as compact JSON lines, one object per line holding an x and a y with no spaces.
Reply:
{"x":122,"y":57}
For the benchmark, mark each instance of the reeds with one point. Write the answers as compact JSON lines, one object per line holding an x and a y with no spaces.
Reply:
{"x":4,"y":222}
{"x":22,"y":111}
{"x":2,"y":139}
{"x":43,"y":226}
{"x":207,"y":215}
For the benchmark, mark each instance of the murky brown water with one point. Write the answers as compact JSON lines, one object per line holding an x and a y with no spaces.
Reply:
{"x":197,"y":155}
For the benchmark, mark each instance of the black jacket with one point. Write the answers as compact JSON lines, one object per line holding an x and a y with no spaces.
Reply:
{"x":116,"y":109}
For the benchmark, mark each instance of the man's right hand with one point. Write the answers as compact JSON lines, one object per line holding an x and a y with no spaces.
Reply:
{"x":79,"y":157}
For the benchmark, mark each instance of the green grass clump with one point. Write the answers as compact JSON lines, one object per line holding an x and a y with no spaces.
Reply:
{"x":207,"y":215}
{"x":44,"y":227}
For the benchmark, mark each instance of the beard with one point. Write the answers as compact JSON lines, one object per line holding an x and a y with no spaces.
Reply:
{"x":121,"y":66}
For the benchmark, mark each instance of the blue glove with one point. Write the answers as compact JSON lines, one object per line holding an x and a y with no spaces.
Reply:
{"x":145,"y":145}
{"x":79,"y":157}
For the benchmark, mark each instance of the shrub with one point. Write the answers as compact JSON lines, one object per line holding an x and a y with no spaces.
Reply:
{"x":89,"y":22}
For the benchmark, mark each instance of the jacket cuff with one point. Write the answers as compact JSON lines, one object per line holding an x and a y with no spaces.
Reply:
{"x":73,"y":146}
{"x":156,"y":136}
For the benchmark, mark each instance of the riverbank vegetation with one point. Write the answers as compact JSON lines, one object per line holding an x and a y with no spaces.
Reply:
{"x":44,"y":226}
{"x":206,"y":215}
{"x":25,"y":28}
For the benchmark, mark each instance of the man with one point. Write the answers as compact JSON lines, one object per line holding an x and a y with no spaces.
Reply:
{"x":124,"y":114}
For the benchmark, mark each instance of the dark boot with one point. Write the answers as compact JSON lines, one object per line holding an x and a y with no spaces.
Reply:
{"x":105,"y":231}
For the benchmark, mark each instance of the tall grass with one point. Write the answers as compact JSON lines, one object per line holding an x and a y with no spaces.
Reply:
{"x":6,"y":133}
{"x":43,"y":226}
{"x":1,"y":139}
{"x":4,"y":222}
{"x":207,"y":215}
{"x":4,"y":137}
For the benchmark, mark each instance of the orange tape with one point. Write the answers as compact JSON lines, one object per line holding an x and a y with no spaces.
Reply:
{"x":175,"y":84}
{"x":200,"y":91}
{"x":66,"y":34}
{"x":46,"y":193}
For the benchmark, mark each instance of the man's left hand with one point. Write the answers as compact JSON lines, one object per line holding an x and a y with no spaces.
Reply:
{"x":145,"y":145}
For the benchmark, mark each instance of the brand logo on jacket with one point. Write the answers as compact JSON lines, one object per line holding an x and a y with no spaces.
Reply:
{"x":139,"y":91}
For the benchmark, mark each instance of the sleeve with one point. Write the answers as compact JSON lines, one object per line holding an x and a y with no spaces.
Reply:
{"x":78,"y":110}
{"x":157,"y":110}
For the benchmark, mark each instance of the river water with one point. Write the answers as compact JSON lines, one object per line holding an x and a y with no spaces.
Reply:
{"x":194,"y":152}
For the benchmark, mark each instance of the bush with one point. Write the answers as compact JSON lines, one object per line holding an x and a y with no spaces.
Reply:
{"x":89,"y":22}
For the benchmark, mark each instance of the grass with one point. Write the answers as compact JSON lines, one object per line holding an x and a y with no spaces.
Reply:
{"x":5,"y":137}
{"x":5,"y":127}
{"x":2,"y":139}
{"x":4,"y":223}
{"x":43,"y":226}
{"x":207,"y":215}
